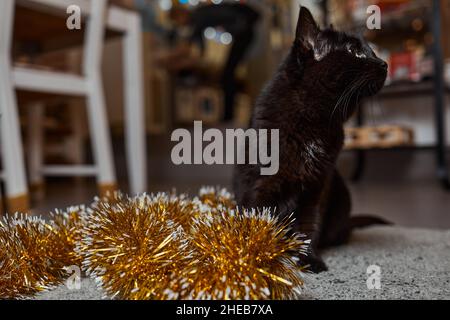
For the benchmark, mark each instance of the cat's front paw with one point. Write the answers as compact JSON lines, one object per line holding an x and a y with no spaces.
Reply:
{"x":313,"y":263}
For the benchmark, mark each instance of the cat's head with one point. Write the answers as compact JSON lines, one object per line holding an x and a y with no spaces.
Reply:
{"x":343,"y":62}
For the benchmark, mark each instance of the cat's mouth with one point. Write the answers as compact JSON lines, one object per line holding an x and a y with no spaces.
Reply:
{"x":377,"y":77}
{"x":376,"y":84}
{"x":374,"y":88}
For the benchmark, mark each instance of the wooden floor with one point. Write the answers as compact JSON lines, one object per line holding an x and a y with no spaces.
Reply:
{"x":399,"y":186}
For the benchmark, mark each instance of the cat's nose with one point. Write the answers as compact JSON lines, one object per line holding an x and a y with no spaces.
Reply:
{"x":377,"y":61}
{"x":383,"y":64}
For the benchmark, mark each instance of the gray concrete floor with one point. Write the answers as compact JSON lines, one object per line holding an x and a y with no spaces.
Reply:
{"x":398,"y":185}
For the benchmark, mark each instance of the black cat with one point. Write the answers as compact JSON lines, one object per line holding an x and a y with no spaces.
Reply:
{"x":315,"y":91}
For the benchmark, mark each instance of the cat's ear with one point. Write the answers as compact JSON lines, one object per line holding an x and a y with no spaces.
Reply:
{"x":307,"y":29}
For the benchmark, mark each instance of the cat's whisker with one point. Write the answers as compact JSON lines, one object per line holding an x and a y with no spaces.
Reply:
{"x":346,"y":96}
{"x":342,"y":97}
{"x":363,"y":83}
{"x":356,"y":88}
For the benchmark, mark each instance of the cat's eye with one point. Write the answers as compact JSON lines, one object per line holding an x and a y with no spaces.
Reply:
{"x":357,"y":54}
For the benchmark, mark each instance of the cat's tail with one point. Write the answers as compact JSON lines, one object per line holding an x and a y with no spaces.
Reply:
{"x":365,"y":221}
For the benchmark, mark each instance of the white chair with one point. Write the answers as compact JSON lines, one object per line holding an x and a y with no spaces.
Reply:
{"x":129,"y":24}
{"x":88,"y":85}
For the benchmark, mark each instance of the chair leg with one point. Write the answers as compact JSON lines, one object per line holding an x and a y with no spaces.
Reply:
{"x":77,"y":150}
{"x":134,"y":107}
{"x":101,"y":140}
{"x":35,"y":155}
{"x":12,"y":151}
{"x":11,"y":142}
{"x":98,"y":121}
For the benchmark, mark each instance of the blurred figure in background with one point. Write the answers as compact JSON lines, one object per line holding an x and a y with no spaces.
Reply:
{"x":149,"y":20}
{"x":235,"y":18}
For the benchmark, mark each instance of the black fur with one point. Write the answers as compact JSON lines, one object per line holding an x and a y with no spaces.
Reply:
{"x":315,"y":91}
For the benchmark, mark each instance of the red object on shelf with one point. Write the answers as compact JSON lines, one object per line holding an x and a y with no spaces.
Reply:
{"x":403,"y":66}
{"x":391,"y":5}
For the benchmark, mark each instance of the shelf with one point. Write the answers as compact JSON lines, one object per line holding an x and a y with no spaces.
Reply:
{"x":410,"y":89}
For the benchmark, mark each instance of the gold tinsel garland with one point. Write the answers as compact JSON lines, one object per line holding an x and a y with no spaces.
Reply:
{"x":162,"y":246}
{"x":23,"y":259}
{"x":34,"y":253}
{"x":243,"y":255}
{"x":134,"y":247}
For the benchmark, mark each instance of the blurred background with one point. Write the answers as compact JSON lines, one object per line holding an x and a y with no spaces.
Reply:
{"x":208,"y":61}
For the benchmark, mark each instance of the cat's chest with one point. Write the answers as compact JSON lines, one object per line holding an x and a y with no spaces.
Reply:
{"x":313,"y":156}
{"x":309,"y":159}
